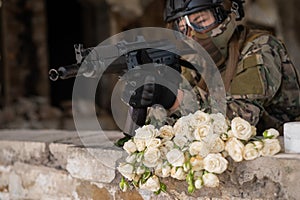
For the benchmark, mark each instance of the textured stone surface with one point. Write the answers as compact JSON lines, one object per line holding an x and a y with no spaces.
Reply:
{"x":92,"y":164}
{"x":39,"y":182}
{"x":50,"y":164}
{"x":11,"y":151}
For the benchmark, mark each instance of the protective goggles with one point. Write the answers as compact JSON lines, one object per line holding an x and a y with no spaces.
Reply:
{"x":200,"y":22}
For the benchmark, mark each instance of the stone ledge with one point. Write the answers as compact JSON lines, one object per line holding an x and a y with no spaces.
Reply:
{"x":97,"y":165}
{"x":63,"y":165}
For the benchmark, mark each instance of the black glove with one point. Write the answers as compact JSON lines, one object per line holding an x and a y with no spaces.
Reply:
{"x":151,"y":84}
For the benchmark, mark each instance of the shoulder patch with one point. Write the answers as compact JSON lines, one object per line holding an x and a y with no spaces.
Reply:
{"x":251,"y":61}
{"x":248,"y":77}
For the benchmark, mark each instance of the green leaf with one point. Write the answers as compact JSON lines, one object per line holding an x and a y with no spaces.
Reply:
{"x":145,"y":176}
{"x":191,"y":188}
{"x":157,"y":192}
{"x":163,"y":187}
{"x":190,"y":178}
{"x":123,"y":185}
{"x":122,"y":141}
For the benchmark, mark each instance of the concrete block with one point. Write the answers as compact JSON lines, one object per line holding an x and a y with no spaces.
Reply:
{"x":11,"y":151}
{"x":93,"y":164}
{"x":39,"y":182}
{"x":59,"y":153}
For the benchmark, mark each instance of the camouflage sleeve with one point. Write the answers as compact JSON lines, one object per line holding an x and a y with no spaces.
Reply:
{"x":256,"y":82}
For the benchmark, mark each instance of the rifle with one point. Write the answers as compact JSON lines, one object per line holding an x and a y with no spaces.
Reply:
{"x":118,"y":59}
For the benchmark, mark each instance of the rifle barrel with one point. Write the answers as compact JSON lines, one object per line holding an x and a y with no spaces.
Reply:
{"x":64,"y":72}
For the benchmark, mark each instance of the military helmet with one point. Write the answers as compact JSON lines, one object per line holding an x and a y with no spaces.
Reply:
{"x":179,"y":8}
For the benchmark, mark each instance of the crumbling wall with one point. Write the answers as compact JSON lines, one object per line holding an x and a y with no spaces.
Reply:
{"x":52,"y":164}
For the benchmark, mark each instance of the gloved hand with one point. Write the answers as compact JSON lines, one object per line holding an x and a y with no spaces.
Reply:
{"x":151,"y":84}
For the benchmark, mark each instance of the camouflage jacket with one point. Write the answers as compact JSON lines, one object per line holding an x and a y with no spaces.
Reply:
{"x":265,"y":89}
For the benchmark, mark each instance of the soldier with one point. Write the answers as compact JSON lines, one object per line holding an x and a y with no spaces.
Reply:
{"x":261,"y":83}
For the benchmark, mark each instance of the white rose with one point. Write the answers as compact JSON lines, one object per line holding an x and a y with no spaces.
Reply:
{"x":182,"y":127}
{"x":163,"y":152}
{"x":140,"y":170}
{"x":197,"y":163}
{"x":258,"y":145}
{"x":166,"y":132}
{"x":152,"y":184}
{"x":210,"y":180}
{"x":166,"y":171}
{"x":253,"y":129}
{"x":165,"y":147}
{"x":229,"y":134}
{"x":126,"y":170}
{"x":271,"y":147}
{"x":271,"y":133}
{"x":153,"y":143}
{"x":234,"y":147}
{"x":190,"y":135}
{"x":217,"y":146}
{"x":151,"y":157}
{"x":163,"y":170}
{"x":219,"y":123}
{"x":146,"y":132}
{"x":215,"y":163}
{"x":130,"y":147}
{"x":198,"y":183}
{"x":241,"y":129}
{"x":168,"y":144}
{"x":199,"y":148}
{"x":250,"y":152}
{"x":175,"y":157}
{"x":140,"y":144}
{"x":200,"y":118}
{"x":178,"y":173}
{"x":202,"y":131}
{"x":180,"y":141}
{"x":158,"y":168}
{"x":131,"y":158}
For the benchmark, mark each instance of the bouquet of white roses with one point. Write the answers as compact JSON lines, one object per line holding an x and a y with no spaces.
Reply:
{"x":195,"y":149}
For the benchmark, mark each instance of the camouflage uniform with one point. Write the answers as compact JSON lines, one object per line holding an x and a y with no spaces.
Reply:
{"x":265,"y":89}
